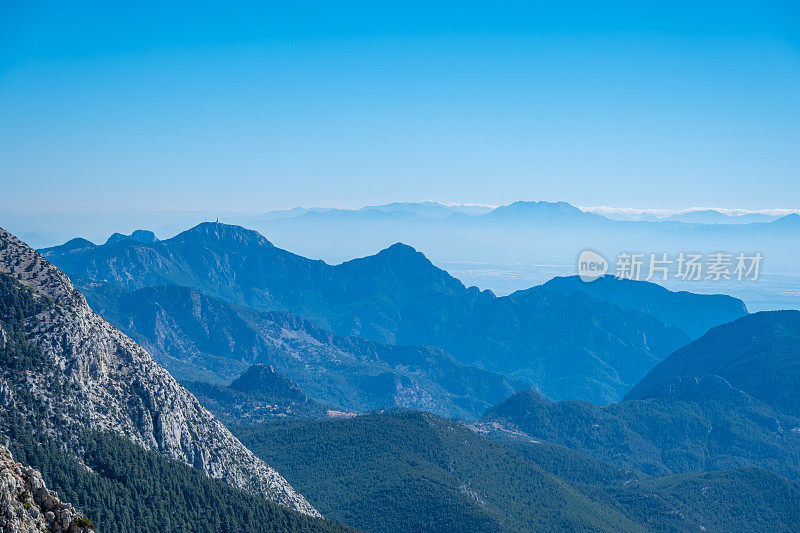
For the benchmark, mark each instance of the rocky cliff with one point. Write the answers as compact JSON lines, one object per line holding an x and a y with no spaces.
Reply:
{"x":26,"y":505}
{"x":94,"y":377}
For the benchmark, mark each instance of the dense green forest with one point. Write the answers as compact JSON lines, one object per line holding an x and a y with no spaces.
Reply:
{"x":714,"y":429}
{"x":744,"y":499}
{"x":414,"y":471}
{"x":129,"y":489}
{"x":409,"y":471}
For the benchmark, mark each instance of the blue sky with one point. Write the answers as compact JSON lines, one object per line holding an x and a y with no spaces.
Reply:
{"x":239,"y":106}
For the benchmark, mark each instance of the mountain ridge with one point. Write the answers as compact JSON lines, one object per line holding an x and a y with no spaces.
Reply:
{"x":759,"y":354}
{"x":398,"y":296}
{"x":693,"y":313}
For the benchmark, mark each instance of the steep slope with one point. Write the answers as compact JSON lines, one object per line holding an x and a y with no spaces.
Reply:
{"x":79,"y":372}
{"x":758,"y":354}
{"x":27,"y":506}
{"x":693,"y":313}
{"x":397,"y":297}
{"x":200,"y":338}
{"x":413,"y":472}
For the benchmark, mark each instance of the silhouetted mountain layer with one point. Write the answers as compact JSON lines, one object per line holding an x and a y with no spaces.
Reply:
{"x":758,"y":354}
{"x":727,"y":400}
{"x":693,"y":313}
{"x":569,"y":345}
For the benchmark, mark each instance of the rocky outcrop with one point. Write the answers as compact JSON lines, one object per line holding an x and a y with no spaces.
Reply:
{"x":26,"y":505}
{"x":259,"y":396}
{"x":264,"y":379}
{"x":97,"y":378}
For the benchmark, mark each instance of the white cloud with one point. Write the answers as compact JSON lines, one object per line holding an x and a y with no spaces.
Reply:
{"x":636,"y":212}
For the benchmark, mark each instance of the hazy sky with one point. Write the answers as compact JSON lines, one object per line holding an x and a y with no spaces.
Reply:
{"x":237,"y":106}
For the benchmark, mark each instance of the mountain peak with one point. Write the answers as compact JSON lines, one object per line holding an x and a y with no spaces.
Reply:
{"x":224,"y":232}
{"x":520,"y":402}
{"x":791,"y":218}
{"x":400,"y":248}
{"x":402,"y":255}
{"x":541,"y":211}
{"x":139,"y":235}
{"x":542,"y":203}
{"x":78,"y":243}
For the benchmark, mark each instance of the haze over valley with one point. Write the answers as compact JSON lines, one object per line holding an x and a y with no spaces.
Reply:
{"x":431,"y":267}
{"x":502,"y":249}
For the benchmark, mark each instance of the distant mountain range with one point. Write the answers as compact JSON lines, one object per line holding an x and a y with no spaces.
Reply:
{"x":568,"y":343}
{"x":49,"y":229}
{"x":505,"y":249}
{"x":711,"y":216}
{"x":689,"y":216}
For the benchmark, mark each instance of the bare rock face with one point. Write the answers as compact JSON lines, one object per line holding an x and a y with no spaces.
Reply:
{"x":99,"y":379}
{"x":26,"y":505}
